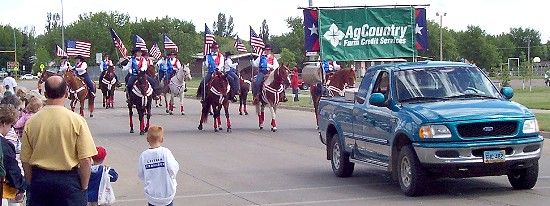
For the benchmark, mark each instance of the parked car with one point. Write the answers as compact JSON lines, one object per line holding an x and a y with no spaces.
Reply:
{"x":28,"y":77}
{"x":303,"y":86}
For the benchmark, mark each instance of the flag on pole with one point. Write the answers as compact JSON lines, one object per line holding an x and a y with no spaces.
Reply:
{"x":155,"y":51}
{"x":209,"y":39}
{"x":77,"y":47}
{"x":140,"y":43}
{"x":311,"y":29}
{"x":169,"y":44}
{"x":256,"y":42}
{"x":59,"y":51}
{"x":239,"y":45}
{"x":118,"y":44}
{"x":421,"y":30}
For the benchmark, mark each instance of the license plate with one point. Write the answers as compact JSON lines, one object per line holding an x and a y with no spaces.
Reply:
{"x":494,"y":156}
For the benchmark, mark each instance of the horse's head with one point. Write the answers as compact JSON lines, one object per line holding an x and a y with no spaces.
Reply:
{"x":345,"y":76}
{"x":219,"y":81}
{"x":110,"y":73}
{"x":186,"y":72}
{"x":283,"y":75}
{"x":350,"y":80}
{"x":44,"y":76}
{"x":151,"y":71}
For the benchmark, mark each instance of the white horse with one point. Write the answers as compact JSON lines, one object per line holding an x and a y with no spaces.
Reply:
{"x":176,"y":87}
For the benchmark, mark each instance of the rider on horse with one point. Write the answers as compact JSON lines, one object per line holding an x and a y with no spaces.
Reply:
{"x":63,"y":65}
{"x":81,"y":69}
{"x":104,"y":66}
{"x":172,"y":64}
{"x":265,"y":63}
{"x":214,"y":62}
{"x":234,"y":80}
{"x":137,"y":64}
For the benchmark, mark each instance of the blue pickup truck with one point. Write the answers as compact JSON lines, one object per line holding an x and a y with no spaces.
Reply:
{"x":422,"y":120}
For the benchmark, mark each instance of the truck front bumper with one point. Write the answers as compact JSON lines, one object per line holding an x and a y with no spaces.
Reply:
{"x":472,"y":152}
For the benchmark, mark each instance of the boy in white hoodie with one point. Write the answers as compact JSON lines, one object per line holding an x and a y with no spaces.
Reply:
{"x":157,"y":168}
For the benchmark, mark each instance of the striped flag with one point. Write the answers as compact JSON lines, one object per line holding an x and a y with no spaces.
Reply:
{"x":77,"y":47}
{"x":256,"y":42}
{"x":239,"y":45}
{"x":155,"y":51}
{"x":59,"y":51}
{"x":139,"y":42}
{"x":209,"y":39}
{"x":169,"y":44}
{"x":118,"y":44}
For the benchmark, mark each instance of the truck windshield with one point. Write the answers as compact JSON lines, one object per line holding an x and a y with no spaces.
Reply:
{"x":442,"y":83}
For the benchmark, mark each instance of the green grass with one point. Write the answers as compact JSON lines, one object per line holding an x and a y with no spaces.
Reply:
{"x":537,"y":98}
{"x":544,"y":121}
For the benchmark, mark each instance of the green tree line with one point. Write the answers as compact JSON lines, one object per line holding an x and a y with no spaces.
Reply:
{"x":474,"y":44}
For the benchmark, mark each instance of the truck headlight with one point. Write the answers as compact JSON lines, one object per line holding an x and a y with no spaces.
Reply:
{"x":434,"y":131}
{"x":530,"y":126}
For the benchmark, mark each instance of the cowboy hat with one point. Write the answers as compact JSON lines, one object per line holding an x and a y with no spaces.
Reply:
{"x":267,"y":47}
{"x":172,"y":52}
{"x":135,"y":49}
{"x":80,"y":57}
{"x":228,"y":53}
{"x":215,"y":46}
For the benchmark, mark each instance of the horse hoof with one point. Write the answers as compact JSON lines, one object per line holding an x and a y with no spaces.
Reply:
{"x":228,"y":130}
{"x":240,"y":113}
{"x":168,"y":111}
{"x":103,"y":104}
{"x":183,"y":113}
{"x":200,"y":127}
{"x":246,"y":113}
{"x":274,"y":129}
{"x":141,"y":133}
{"x":91,"y":115}
{"x":171,"y":113}
{"x":132,"y":131}
{"x":220,"y":129}
{"x":157,"y":105}
{"x":216,"y":130}
{"x":160,"y":105}
{"x":261,"y":128}
{"x":317,"y":127}
{"x":146,"y":129}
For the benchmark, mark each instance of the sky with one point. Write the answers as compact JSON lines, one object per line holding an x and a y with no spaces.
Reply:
{"x":493,"y":16}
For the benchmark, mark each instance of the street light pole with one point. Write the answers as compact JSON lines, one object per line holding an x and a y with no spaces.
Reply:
{"x":441,"y":35}
{"x":62,"y":28}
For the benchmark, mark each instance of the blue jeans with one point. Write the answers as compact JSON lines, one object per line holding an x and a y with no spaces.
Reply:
{"x":295,"y":92}
{"x":131,"y":80}
{"x":56,"y":188}
{"x":258,"y":82}
{"x":234,"y":81}
{"x":161,"y":74}
{"x":172,"y":203}
{"x":206,"y":79}
{"x":88,"y":82}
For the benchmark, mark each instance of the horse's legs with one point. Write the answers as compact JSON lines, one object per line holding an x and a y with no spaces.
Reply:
{"x":244,"y":107}
{"x":204,"y":114}
{"x":90,"y":105}
{"x":226,"y":108}
{"x":165,"y":102}
{"x":104,"y":97}
{"x":181,"y":104}
{"x":141,"y":113}
{"x":273,"y":111}
{"x":148,"y":116}
{"x":81,"y":107}
{"x":240,"y":108}
{"x":315,"y":106}
{"x":131,"y":114}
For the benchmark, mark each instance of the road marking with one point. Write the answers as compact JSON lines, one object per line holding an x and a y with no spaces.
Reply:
{"x":334,"y":200}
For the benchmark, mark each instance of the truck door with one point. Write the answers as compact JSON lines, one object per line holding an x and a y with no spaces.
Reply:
{"x":373,"y":127}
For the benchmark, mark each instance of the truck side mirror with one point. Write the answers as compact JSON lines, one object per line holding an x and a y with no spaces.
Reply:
{"x":377,"y":99}
{"x":508,"y":92}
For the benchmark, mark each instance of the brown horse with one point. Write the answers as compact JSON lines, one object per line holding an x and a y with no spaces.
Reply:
{"x":140,"y":96}
{"x":335,"y":86}
{"x":243,"y":95}
{"x":108,"y":87}
{"x":216,"y":96}
{"x":42,"y":79}
{"x":152,"y":72}
{"x":270,"y":94}
{"x":78,"y":92}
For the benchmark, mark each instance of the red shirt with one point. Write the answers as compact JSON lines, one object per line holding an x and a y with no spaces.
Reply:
{"x":294,"y":80}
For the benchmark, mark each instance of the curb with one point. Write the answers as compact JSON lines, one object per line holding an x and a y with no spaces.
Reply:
{"x":545,"y":134}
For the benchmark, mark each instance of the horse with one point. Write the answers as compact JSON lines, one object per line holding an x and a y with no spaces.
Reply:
{"x":216,"y":96}
{"x":152,"y":72}
{"x":47,"y":74}
{"x":78,"y":92}
{"x":176,"y":88}
{"x":108,"y":87}
{"x":270,"y":94}
{"x":243,"y":95}
{"x":140,"y":96}
{"x":335,"y":85}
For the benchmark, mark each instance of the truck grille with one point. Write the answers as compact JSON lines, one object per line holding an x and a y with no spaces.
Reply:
{"x":486,"y":129}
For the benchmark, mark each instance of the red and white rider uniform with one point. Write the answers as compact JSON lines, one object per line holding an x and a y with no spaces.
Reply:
{"x":64,"y":66}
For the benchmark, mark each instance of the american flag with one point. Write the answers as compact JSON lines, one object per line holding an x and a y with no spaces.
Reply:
{"x":239,"y":45}
{"x":209,"y":39}
{"x":155,"y":51}
{"x":77,"y":47}
{"x":118,"y":44}
{"x":59,"y":51}
{"x":256,"y":42}
{"x":139,"y":42}
{"x":169,"y":44}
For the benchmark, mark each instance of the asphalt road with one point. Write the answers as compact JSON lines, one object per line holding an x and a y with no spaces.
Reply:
{"x":259,"y":167}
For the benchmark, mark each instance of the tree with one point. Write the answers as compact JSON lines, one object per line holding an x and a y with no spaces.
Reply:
{"x":229,"y":29}
{"x":220,"y":26}
{"x":264,"y":31}
{"x":475,"y":46}
{"x":288,"y":57}
{"x":292,"y":41}
{"x":52,"y":21}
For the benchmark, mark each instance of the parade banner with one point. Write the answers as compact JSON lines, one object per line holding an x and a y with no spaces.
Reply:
{"x":371,"y":33}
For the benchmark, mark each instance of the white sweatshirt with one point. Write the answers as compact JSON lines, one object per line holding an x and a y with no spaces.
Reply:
{"x":157,"y":168}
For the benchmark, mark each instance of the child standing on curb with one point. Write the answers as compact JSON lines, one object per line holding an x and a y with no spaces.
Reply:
{"x":157,"y":168}
{"x":96,"y":175}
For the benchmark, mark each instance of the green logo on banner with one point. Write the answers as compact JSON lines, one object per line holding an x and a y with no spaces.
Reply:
{"x":353,"y":34}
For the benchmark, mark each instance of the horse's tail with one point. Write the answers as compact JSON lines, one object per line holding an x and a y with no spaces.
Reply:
{"x":199,"y":91}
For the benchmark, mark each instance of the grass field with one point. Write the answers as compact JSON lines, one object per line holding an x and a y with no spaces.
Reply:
{"x":544,"y":121}
{"x":537,"y":98}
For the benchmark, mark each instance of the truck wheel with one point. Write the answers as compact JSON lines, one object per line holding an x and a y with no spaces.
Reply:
{"x":523,"y":179}
{"x":341,"y":166}
{"x":411,"y":175}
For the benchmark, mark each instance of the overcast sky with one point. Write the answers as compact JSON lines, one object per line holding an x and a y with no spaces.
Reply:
{"x":494,"y":16}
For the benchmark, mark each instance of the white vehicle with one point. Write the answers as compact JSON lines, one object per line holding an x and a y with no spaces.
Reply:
{"x":28,"y":77}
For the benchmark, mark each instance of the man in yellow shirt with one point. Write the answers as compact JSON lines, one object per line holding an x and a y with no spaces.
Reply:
{"x":56,"y":152}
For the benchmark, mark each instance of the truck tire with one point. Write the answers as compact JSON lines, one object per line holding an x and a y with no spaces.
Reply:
{"x":411,"y":175}
{"x":523,"y":179}
{"x":341,"y":166}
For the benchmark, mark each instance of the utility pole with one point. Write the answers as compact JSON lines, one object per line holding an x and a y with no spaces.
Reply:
{"x":529,"y":61}
{"x":441,"y":34}
{"x":14,"y":46}
{"x":62,"y":28}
